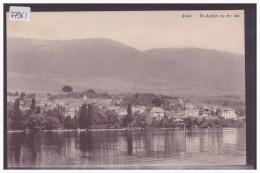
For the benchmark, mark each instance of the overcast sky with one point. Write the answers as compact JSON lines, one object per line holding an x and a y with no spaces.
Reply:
{"x":141,"y":30}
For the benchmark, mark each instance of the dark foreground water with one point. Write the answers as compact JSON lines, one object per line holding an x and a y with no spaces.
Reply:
{"x":131,"y":149}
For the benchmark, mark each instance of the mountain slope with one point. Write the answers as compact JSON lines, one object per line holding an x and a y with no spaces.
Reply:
{"x":80,"y":60}
{"x":223,"y":70}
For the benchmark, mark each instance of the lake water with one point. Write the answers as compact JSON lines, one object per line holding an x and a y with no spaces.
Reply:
{"x":126,"y":149}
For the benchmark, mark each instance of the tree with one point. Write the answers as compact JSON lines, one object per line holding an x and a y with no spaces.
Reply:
{"x":241,"y":112}
{"x":205,"y":125}
{"x":36,"y":122}
{"x":28,"y":113}
{"x":83,"y":116}
{"x":105,"y":95}
{"x":91,"y":93}
{"x":196,"y":121}
{"x":16,"y":116}
{"x":27,"y":101}
{"x":113,"y":120}
{"x":189,"y":122}
{"x":140,"y":120}
{"x":164,"y":122}
{"x":70,"y":123}
{"x":171,"y":122}
{"x":226,"y":103}
{"x":51,"y":123}
{"x":155,"y":122}
{"x":22,"y":95}
{"x":42,"y":122}
{"x":218,"y":122}
{"x":67,"y":88}
{"x":9,"y":122}
{"x":157,"y":102}
{"x":33,"y":105}
{"x":148,"y":119}
{"x":202,"y":122}
{"x":218,"y":112}
{"x":129,"y":114}
{"x":76,"y":117}
{"x":57,"y":112}
{"x":112,"y":116}
{"x":239,"y":123}
{"x":100,"y":118}
{"x":213,"y":113}
{"x":38,"y":110}
{"x":90,"y":115}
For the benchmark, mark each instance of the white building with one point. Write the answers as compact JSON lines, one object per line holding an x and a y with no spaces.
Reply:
{"x":59,"y":102}
{"x":157,"y":112}
{"x":41,"y":97}
{"x":121,"y":111}
{"x":11,"y":98}
{"x":85,"y":98}
{"x":24,"y":108}
{"x":227,"y":113}
{"x":139,"y":109}
{"x":180,"y":101}
{"x":112,"y":107}
{"x":70,"y":111}
{"x":190,"y":110}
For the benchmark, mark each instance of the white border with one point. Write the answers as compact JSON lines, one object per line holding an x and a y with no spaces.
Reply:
{"x":114,"y":1}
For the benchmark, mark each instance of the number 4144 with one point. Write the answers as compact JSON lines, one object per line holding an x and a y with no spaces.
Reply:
{"x":186,"y":15}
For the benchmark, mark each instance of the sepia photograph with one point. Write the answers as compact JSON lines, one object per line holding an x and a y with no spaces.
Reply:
{"x":125,"y":89}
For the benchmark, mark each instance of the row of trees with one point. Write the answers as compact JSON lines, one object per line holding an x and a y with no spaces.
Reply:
{"x":33,"y":118}
{"x":90,"y":116}
{"x":93,"y":117}
{"x":87,"y":117}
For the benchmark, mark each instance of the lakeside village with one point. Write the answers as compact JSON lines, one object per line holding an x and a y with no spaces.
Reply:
{"x":92,"y":110}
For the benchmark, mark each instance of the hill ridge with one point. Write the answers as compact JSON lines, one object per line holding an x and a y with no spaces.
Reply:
{"x":99,"y":57}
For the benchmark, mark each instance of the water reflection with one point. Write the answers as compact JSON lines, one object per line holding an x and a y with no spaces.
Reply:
{"x":130,"y":144}
{"x":32,"y":146}
{"x":79,"y":149}
{"x":86,"y":142}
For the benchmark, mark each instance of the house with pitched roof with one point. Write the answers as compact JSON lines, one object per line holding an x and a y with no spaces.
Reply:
{"x":157,"y":112}
{"x":190,"y":110}
{"x":227,"y":113}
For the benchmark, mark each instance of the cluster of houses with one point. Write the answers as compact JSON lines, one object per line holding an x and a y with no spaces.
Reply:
{"x":189,"y":110}
{"x":72,"y":106}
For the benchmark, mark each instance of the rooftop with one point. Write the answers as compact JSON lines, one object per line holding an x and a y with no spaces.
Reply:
{"x":157,"y":109}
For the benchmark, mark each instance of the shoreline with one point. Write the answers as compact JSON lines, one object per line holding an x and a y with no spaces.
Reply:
{"x":121,"y":129}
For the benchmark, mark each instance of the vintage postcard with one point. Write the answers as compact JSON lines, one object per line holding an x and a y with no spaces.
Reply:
{"x":125,"y":89}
